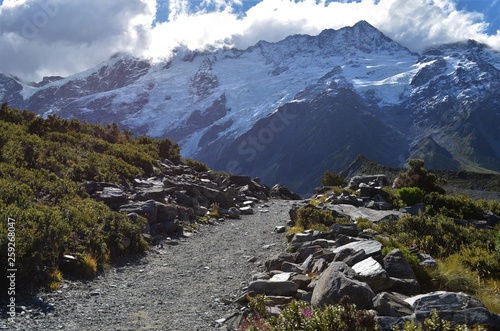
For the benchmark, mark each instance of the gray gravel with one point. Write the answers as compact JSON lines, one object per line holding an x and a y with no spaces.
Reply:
{"x":186,"y":287}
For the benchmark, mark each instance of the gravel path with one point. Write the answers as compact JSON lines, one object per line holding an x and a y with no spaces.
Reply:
{"x":185,"y":287}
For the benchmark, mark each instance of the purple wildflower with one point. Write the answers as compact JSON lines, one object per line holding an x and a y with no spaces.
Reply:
{"x":307,"y":312}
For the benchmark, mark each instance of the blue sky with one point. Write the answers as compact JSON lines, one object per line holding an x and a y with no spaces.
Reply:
{"x":60,"y":37}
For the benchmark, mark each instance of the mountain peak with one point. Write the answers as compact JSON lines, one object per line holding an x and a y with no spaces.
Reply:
{"x":364,"y":25}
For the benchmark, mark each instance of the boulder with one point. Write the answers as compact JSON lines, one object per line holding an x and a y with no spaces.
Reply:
{"x":246,"y":210}
{"x":111,"y":196}
{"x":372,"y":248}
{"x":278,"y":191}
{"x":363,"y":212}
{"x":276,"y":261}
{"x":337,"y":282}
{"x":233,"y":213}
{"x":302,"y":237}
{"x":372,"y":180}
{"x":350,"y":256}
{"x":390,"y":304}
{"x":291,"y":267}
{"x":269,"y":287}
{"x":146,"y":209}
{"x":319,"y":266}
{"x":396,"y":265}
{"x":373,"y":274}
{"x":166,"y":213}
{"x":350,"y":230}
{"x":427,"y":261}
{"x":156,"y":193}
{"x":442,"y":300}
{"x":408,"y":287}
{"x":302,"y":281}
{"x":472,"y":316}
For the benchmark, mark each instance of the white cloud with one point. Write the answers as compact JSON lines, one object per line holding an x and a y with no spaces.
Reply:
{"x":42,"y":37}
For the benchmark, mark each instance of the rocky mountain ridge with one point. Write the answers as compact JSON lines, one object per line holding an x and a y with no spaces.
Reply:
{"x":290,"y":110}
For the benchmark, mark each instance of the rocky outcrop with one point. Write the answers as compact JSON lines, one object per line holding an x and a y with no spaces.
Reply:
{"x":179,"y":194}
{"x":347,"y":263}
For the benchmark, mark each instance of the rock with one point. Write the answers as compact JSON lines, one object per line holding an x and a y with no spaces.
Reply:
{"x":389,"y":304}
{"x":303,"y":252}
{"x":350,"y":230}
{"x":414,"y":210}
{"x":261,"y":275}
{"x":456,"y":307}
{"x":472,"y":316}
{"x":280,"y":229}
{"x":319,"y":266}
{"x":280,"y":192}
{"x":374,"y":180}
{"x":281,"y":277}
{"x":91,"y":187}
{"x":246,"y":210}
{"x":335,"y":283}
{"x":307,"y":265}
{"x":362,"y":212}
{"x":146,"y":209}
{"x":396,"y":265}
{"x":427,"y":261}
{"x":387,"y":323}
{"x":268,"y":287}
{"x":302,"y":281}
{"x":373,"y":274}
{"x":291,"y":267}
{"x":151,"y":193}
{"x":111,"y":196}
{"x":166,"y":213}
{"x":372,"y":248}
{"x":350,"y":256}
{"x":408,"y":287}
{"x":234,"y":213}
{"x":442,"y":300}
{"x":165,"y":227}
{"x":302,"y":237}
{"x":491,"y":218}
{"x":276,"y":261}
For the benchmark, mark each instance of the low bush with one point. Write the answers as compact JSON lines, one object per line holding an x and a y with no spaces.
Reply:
{"x":300,"y":316}
{"x":197,"y":165}
{"x":309,"y":215}
{"x":333,"y":179}
{"x":43,"y":163}
{"x":410,"y":195}
{"x":461,"y":206}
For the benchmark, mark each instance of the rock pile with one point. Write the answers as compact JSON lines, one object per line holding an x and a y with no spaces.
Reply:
{"x":323,"y":267}
{"x":179,"y":194}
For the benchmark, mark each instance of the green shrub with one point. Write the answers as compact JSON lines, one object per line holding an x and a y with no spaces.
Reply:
{"x":453,"y":206}
{"x":197,"y":165}
{"x":435,"y":323}
{"x":333,"y":179}
{"x":485,"y":262}
{"x":42,"y":165}
{"x":417,"y":176}
{"x":309,"y":215}
{"x":300,"y":316}
{"x":410,"y":195}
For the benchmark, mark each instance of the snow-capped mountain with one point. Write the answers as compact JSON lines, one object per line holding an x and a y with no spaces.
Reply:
{"x":290,"y":110}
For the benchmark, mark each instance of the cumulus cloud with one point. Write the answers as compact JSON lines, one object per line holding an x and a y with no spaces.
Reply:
{"x":58,"y":37}
{"x":47,"y":37}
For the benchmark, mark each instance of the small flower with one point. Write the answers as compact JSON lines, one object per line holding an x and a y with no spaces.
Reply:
{"x":307,"y":312}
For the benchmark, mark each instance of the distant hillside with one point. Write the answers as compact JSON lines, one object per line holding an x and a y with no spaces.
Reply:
{"x":474,"y":184}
